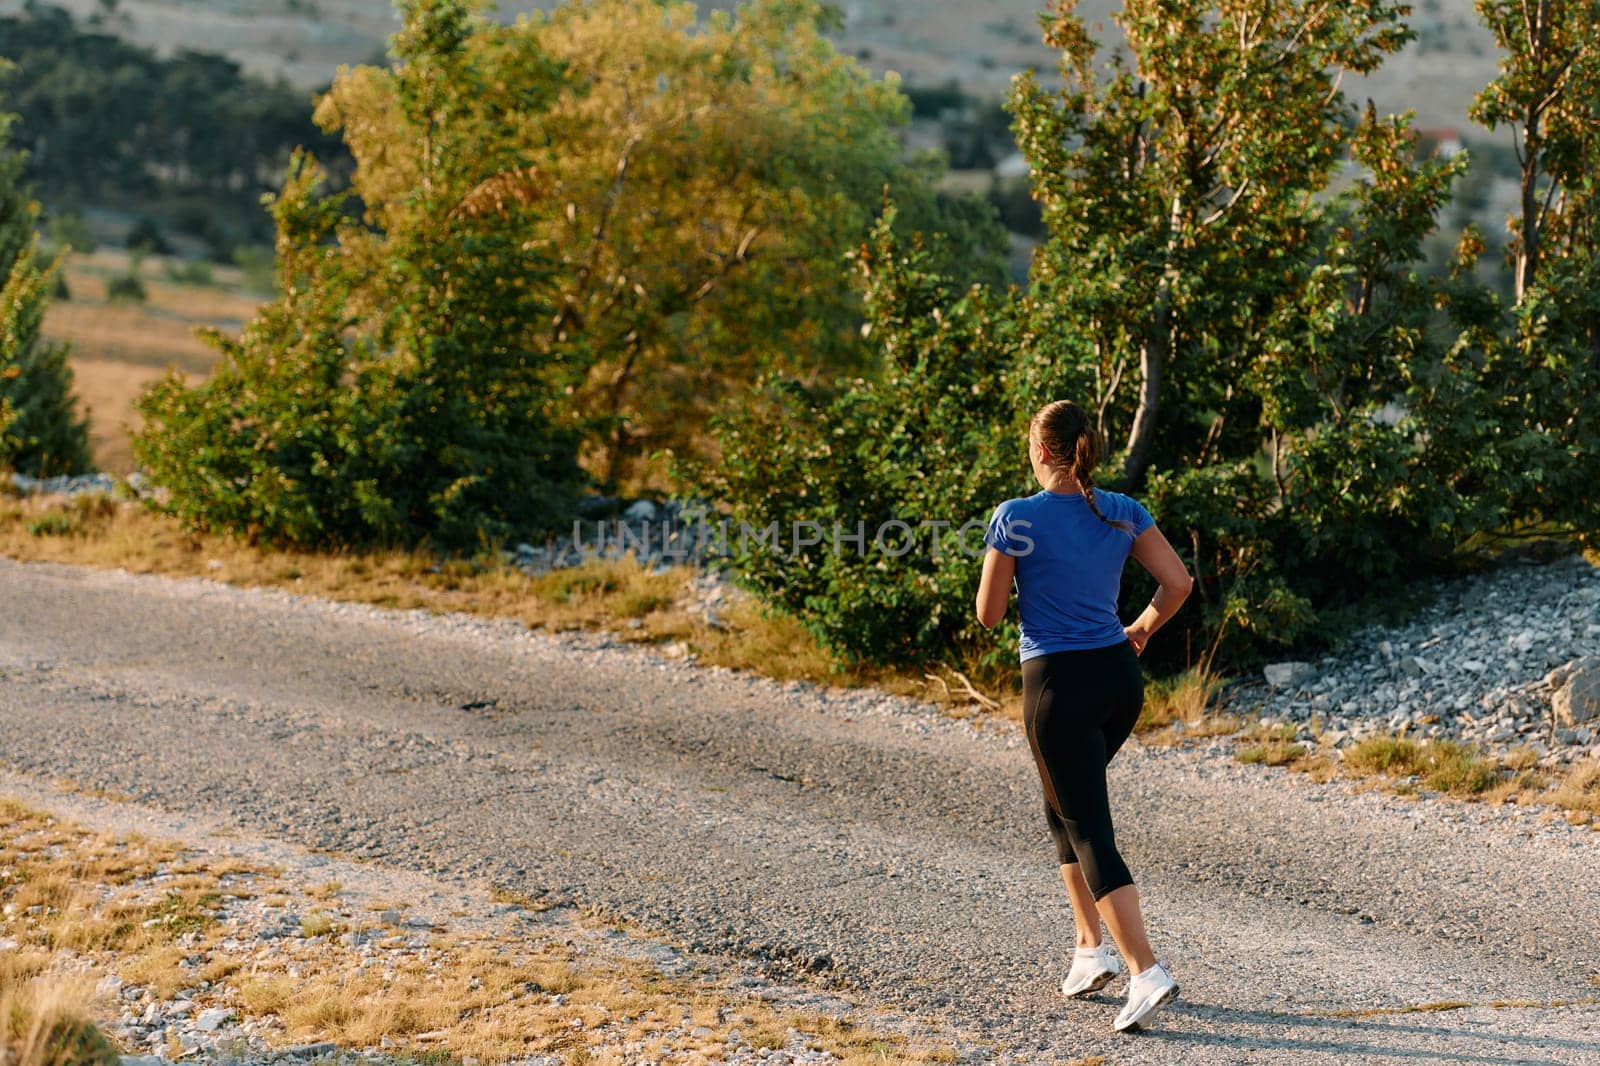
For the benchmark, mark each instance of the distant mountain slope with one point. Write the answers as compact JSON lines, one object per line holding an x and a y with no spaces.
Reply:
{"x":979,"y":43}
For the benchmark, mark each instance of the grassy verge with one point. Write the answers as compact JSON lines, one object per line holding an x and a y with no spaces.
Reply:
{"x":630,"y":601}
{"x":81,"y":906}
{"x":622,"y":596}
{"x":1448,"y":767}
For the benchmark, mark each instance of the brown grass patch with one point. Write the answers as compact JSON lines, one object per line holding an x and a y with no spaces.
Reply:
{"x":1183,"y":707}
{"x":1402,"y":765}
{"x":44,"y":1021}
{"x":145,"y":911}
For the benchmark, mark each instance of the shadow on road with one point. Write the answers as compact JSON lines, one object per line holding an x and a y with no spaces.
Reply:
{"x":1355,"y":1036}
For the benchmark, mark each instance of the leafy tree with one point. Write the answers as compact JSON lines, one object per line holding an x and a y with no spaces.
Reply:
{"x":1548,"y":92}
{"x":1545,"y":361}
{"x":40,"y":431}
{"x":1175,"y":189}
{"x":700,"y":184}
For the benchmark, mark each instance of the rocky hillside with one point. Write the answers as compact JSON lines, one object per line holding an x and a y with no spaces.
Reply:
{"x":977,"y":43}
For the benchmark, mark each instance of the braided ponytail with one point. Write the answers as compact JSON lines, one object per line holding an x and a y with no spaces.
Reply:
{"x":1063,"y":427}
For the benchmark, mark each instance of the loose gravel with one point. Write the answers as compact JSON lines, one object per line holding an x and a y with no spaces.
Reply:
{"x":1475,"y":665}
{"x":855,"y":840}
{"x":380,"y":920}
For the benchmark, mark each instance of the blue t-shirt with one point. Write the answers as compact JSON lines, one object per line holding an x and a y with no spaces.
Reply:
{"x":1069,"y":566}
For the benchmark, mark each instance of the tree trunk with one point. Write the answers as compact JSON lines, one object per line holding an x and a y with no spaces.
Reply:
{"x":1528,"y":247}
{"x":1153,"y":355}
{"x":1152,"y":363}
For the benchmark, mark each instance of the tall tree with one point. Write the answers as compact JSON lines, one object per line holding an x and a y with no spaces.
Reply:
{"x":702,"y":181}
{"x":41,"y":432}
{"x":398,"y":390}
{"x":1178,"y":173}
{"x":1546,"y":359}
{"x":1548,"y":94}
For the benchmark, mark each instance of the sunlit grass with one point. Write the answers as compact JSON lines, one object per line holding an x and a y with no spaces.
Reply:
{"x":483,"y":996}
{"x":1403,"y":765}
{"x":1183,"y":707}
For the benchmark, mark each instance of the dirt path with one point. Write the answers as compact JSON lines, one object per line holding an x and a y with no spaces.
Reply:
{"x":848,"y":834}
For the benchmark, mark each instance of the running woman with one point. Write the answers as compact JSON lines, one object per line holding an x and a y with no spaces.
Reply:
{"x":1082,"y":684}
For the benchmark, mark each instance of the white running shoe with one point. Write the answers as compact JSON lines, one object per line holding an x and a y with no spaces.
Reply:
{"x":1147,"y":992}
{"x":1092,"y":969}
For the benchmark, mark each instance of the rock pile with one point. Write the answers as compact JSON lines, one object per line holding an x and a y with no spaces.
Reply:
{"x":73,"y":485}
{"x":668,"y":533}
{"x":1503,"y":659}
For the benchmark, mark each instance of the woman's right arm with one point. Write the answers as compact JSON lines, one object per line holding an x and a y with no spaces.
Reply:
{"x":994,"y":588}
{"x":1156,"y":555}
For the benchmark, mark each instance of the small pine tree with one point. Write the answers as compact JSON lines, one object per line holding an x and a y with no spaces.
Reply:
{"x":40,"y":431}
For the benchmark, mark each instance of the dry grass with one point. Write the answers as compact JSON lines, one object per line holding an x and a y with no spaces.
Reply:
{"x":1271,"y":747}
{"x":1443,"y":765}
{"x":1449,"y":767}
{"x":44,"y":1020}
{"x":1183,"y":707}
{"x":1578,"y":790}
{"x":632,"y":601}
{"x":120,"y":349}
{"x":485,"y":997}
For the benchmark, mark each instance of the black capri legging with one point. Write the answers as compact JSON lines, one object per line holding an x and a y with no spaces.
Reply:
{"x":1077,"y":708}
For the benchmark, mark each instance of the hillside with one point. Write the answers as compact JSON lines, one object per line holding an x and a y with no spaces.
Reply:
{"x":979,"y":43}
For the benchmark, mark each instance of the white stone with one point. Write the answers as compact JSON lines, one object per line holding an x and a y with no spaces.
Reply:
{"x":1577,"y":695}
{"x":212,"y":1019}
{"x":1288,"y":674}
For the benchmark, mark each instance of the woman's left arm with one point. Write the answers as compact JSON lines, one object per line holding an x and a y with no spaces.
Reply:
{"x":994,"y":589}
{"x":1156,"y":555}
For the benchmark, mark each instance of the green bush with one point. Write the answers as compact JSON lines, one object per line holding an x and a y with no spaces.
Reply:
{"x":935,"y":437}
{"x":68,"y":230}
{"x":146,"y":237}
{"x":127,"y":288}
{"x":396,"y":405}
{"x":191,"y":272}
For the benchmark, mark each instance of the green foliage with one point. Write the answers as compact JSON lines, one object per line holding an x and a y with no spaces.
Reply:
{"x":105,"y":120}
{"x":699,"y":182}
{"x":596,"y":225}
{"x":68,"y":231}
{"x":932,"y":438}
{"x":1541,"y":361}
{"x":127,"y":287}
{"x":394,"y":391}
{"x":1310,"y":414}
{"x":40,"y":431}
{"x":145,"y":237}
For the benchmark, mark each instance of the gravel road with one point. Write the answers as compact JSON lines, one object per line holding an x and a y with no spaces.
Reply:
{"x":857,"y":836}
